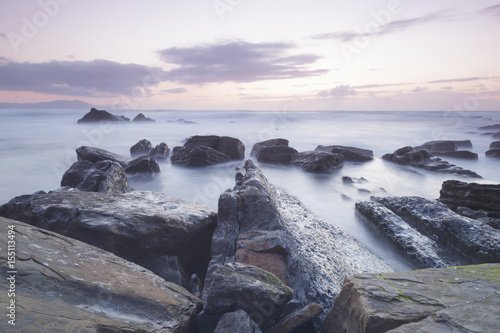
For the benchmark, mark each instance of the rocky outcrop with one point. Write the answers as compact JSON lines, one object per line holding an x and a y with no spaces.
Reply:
{"x":103,"y":176}
{"x":142,"y":118}
{"x":317,"y":161}
{"x":141,"y":148}
{"x":268,"y":143}
{"x":260,"y":225}
{"x":93,"y":154}
{"x":495,"y":144}
{"x":490,"y":127}
{"x":493,"y":153}
{"x":422,"y":158}
{"x":95,"y":116}
{"x":64,"y":285}
{"x":351,"y":154}
{"x":143,"y":166}
{"x":231,"y":147}
{"x":454,"y":299}
{"x":160,"y":152}
{"x":276,"y":154}
{"x":237,"y":322}
{"x":463,"y":154}
{"x":208,"y":150}
{"x":138,"y":226}
{"x":297,"y":319}
{"x":445,"y":146}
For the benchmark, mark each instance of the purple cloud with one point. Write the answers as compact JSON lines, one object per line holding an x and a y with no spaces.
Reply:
{"x":339,"y":92}
{"x":492,"y":10}
{"x":175,"y":90}
{"x":237,"y":61}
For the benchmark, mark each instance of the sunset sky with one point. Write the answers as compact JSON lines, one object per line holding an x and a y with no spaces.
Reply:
{"x":253,"y":54}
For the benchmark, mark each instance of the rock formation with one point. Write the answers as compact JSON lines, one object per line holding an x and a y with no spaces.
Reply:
{"x":142,"y":118}
{"x":351,"y":154}
{"x":95,"y":116}
{"x":93,"y":154}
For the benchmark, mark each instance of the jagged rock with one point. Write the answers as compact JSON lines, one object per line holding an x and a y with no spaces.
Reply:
{"x":493,"y":153}
{"x":444,"y":146}
{"x":352,"y":180}
{"x":268,"y":143}
{"x":421,"y":158}
{"x":231,"y":147}
{"x":143,"y":166}
{"x":142,"y":118}
{"x":100,"y":115}
{"x":137,"y":226}
{"x":257,"y":222}
{"x":64,"y":285}
{"x":495,"y":144}
{"x":237,"y":322}
{"x":93,"y":154}
{"x":275,"y":154}
{"x":454,"y":299}
{"x":465,"y":154}
{"x":490,"y":127}
{"x":102,"y":176}
{"x":352,"y":154}
{"x":170,"y":269}
{"x":197,"y":156}
{"x":471,"y":195}
{"x":297,"y":319}
{"x":160,"y":152}
{"x":141,"y":148}
{"x":317,"y":161}
{"x":182,"y":121}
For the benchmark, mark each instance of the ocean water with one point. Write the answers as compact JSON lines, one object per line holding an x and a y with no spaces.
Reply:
{"x":38,"y":146}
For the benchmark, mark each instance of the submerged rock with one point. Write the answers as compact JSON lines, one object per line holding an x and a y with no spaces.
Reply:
{"x":160,"y":152}
{"x":103,"y":176}
{"x":137,"y":226}
{"x":93,"y":154}
{"x":351,"y":154}
{"x":142,"y":118}
{"x":65,"y":285}
{"x":268,"y":143}
{"x":490,"y":127}
{"x":444,"y":146}
{"x":100,"y":115}
{"x":465,"y":154}
{"x":141,"y":148}
{"x":276,"y":154}
{"x":143,"y":166}
{"x":495,"y":144}
{"x":493,"y":153}
{"x":455,"y":299}
{"x":198,"y":156}
{"x":317,"y":161}
{"x":231,"y":147}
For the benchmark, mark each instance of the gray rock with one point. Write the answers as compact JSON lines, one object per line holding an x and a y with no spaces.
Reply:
{"x":102,"y":176}
{"x":160,"y":152}
{"x":297,"y":319}
{"x":484,"y":197}
{"x":143,"y":166}
{"x":351,"y":154}
{"x":454,"y":299}
{"x":444,"y":146}
{"x":64,"y":285}
{"x":268,"y":143}
{"x":141,"y":148}
{"x":142,"y":118}
{"x":495,"y":144}
{"x":464,"y":154}
{"x":231,"y":147}
{"x":317,"y":161}
{"x":275,"y":154}
{"x":137,"y":226}
{"x":237,"y":322}
{"x":493,"y":153}
{"x":170,"y":269}
{"x":93,"y":154}
{"x":95,"y":116}
{"x":490,"y":127}
{"x":198,"y":156}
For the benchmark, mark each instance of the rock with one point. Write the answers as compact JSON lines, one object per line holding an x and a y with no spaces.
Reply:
{"x":198,"y":156}
{"x":493,"y":153}
{"x":495,"y":144}
{"x":465,"y":154}
{"x":268,"y":143}
{"x":236,"y":286}
{"x":142,"y":118}
{"x":137,"y":226}
{"x":102,"y":176}
{"x":276,"y":154}
{"x":296,"y":319}
{"x":195,"y":285}
{"x":317,"y":161}
{"x":261,"y":225}
{"x":231,"y":147}
{"x":496,"y":135}
{"x":93,"y":154}
{"x":160,"y":152}
{"x":490,"y":127}
{"x":471,"y":195}
{"x":352,"y":180}
{"x":421,"y":158}
{"x":64,"y":285}
{"x":237,"y":322}
{"x":454,"y":299}
{"x":170,"y":269}
{"x":182,"y":121}
{"x":444,"y":146}
{"x":141,"y":148}
{"x":100,"y":115}
{"x":143,"y":166}
{"x":351,"y":154}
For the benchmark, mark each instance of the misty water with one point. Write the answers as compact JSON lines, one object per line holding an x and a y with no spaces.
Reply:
{"x":38,"y":146}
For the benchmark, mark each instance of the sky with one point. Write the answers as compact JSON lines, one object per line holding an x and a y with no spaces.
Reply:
{"x":253,"y":54}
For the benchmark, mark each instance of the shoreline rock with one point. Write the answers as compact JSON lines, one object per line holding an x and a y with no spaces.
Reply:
{"x":95,"y":116}
{"x":351,"y":154}
{"x":93,"y":154}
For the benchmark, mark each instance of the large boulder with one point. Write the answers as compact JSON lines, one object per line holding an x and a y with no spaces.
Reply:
{"x":493,"y":153}
{"x":137,"y":226}
{"x":454,"y":299}
{"x":141,"y":148}
{"x":464,"y":154}
{"x":485,"y":197}
{"x":351,"y":154}
{"x":198,"y":156}
{"x":103,"y":176}
{"x":297,"y":319}
{"x":495,"y":144}
{"x":64,"y":285}
{"x":237,"y":322}
{"x":444,"y":146}
{"x":317,"y":161}
{"x":93,"y":154}
{"x":275,"y":154}
{"x":143,"y":166}
{"x":100,"y":115}
{"x":490,"y":127}
{"x":142,"y":118}
{"x":268,"y":143}
{"x":160,"y":152}
{"x":232,"y":147}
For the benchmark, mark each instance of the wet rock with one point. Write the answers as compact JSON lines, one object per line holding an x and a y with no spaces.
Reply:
{"x":444,"y":146}
{"x":141,"y":148}
{"x":102,"y":176}
{"x":317,"y":161}
{"x":93,"y":154}
{"x":237,"y":322}
{"x":231,"y":147}
{"x":493,"y":153}
{"x":182,"y":121}
{"x":490,"y":127}
{"x":236,"y":286}
{"x":170,"y":269}
{"x":195,"y":285}
{"x":268,"y":143}
{"x":421,"y":158}
{"x":95,"y":116}
{"x":197,"y":156}
{"x":142,"y":118}
{"x":484,"y":197}
{"x":495,"y":144}
{"x":137,"y":226}
{"x":455,"y":299}
{"x":143,"y":166}
{"x":160,"y":152}
{"x":65,"y":285}
{"x":297,"y":319}
{"x":464,"y":154}
{"x":352,"y":180}
{"x":276,"y":154}
{"x":351,"y":154}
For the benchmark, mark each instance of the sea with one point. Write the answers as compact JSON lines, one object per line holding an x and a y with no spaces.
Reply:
{"x":38,"y":146}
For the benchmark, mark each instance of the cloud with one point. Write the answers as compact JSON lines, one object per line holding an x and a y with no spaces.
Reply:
{"x":77,"y":78}
{"x":457,"y":80}
{"x":175,"y":90}
{"x":339,"y":92}
{"x":491,"y":11}
{"x":237,"y":61}
{"x":419,"y":89}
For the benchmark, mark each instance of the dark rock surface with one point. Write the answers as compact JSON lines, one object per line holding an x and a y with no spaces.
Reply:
{"x":317,"y":161}
{"x":485,"y":197}
{"x":276,"y":154}
{"x":268,"y":143}
{"x":93,"y":154}
{"x":142,"y":118}
{"x":237,"y":322}
{"x":465,"y":154}
{"x":495,"y":144}
{"x":64,"y":285}
{"x":493,"y":153}
{"x":444,"y":146}
{"x":421,"y":158}
{"x":231,"y":147}
{"x":351,"y":154}
{"x":490,"y":127}
{"x":198,"y":156}
{"x":297,"y":319}
{"x":236,"y":286}
{"x":141,"y":148}
{"x":102,"y":176}
{"x":143,"y":166}
{"x":160,"y":152}
{"x":260,"y":225}
{"x":100,"y":115}
{"x":137,"y":226}
{"x":454,"y":299}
